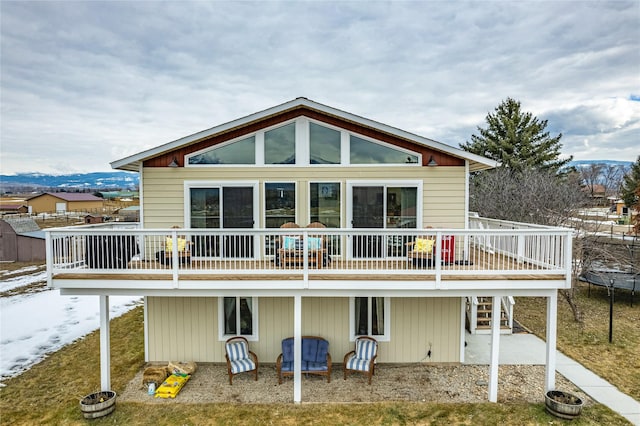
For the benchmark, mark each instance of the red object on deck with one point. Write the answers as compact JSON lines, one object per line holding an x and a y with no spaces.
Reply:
{"x":448,"y":248}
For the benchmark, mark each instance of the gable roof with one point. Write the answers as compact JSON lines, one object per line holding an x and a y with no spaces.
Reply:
{"x":25,"y":226}
{"x":133,"y":162}
{"x":70,"y":196}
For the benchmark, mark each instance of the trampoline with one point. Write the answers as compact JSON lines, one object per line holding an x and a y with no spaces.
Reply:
{"x":612,"y":278}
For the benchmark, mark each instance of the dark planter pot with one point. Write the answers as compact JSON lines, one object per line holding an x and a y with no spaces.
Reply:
{"x":98,"y":404}
{"x":563,"y":404}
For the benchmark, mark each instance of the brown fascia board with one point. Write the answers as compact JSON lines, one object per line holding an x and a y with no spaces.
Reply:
{"x":165,"y":158}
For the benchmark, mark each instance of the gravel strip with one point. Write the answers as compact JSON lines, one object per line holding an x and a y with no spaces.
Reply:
{"x":392,"y":382}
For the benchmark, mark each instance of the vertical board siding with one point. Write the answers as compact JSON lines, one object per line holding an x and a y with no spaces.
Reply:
{"x":186,"y":328}
{"x":416,"y":322}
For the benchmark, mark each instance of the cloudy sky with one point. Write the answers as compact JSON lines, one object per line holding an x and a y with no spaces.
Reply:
{"x":87,"y":83}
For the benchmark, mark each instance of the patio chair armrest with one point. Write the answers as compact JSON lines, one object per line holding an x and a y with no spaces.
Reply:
{"x":348,"y":355}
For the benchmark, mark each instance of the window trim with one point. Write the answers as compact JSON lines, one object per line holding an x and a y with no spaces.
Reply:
{"x":254,"y":319}
{"x":386,"y":337}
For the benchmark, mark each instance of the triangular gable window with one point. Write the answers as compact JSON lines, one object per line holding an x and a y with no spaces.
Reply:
{"x":239,"y":152}
{"x":366,"y":152}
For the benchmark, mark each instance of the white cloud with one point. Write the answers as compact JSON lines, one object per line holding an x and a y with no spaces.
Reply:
{"x":86,"y":83}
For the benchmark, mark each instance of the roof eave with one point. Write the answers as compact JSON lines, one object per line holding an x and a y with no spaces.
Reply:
{"x":133,"y":163}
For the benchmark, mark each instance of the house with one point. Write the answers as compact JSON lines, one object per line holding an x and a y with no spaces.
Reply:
{"x":63,"y":202}
{"x":129,"y":214}
{"x":92,"y":218}
{"x":21,"y":240}
{"x":375,"y":189}
{"x":6,"y":208}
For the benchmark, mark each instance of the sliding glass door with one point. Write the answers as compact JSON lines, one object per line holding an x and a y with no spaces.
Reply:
{"x":227,"y":207}
{"x":383,"y":206}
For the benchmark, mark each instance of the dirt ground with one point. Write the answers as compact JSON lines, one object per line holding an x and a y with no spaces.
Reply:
{"x":414,"y":382}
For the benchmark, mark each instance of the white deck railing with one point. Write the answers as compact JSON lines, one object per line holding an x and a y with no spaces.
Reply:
{"x":327,"y":251}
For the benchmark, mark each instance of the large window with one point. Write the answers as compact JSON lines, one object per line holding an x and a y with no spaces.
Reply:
{"x":370,"y":317}
{"x":318,"y":143}
{"x":238,"y":316}
{"x":324,"y":145}
{"x":367,"y":152}
{"x":239,"y":152}
{"x":280,"y":145}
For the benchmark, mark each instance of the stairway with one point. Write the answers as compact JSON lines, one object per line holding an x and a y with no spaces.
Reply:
{"x":480,"y":309}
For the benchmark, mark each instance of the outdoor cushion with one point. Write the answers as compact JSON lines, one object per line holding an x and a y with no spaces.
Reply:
{"x":182,"y":244}
{"x":237,"y":351}
{"x":242,"y":365}
{"x":289,"y":243}
{"x":314,"y":243}
{"x":366,"y":349}
{"x":359,"y":364}
{"x":313,"y":350}
{"x":423,"y":245}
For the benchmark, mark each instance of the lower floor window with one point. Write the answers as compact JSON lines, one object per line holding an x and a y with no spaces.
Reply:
{"x":369,"y":317}
{"x":238,"y":317}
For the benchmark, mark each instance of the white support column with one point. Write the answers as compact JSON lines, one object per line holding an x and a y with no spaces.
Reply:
{"x":552,"y":318}
{"x":105,"y":345}
{"x":463,"y":332}
{"x":297,"y":349}
{"x":495,"y":350}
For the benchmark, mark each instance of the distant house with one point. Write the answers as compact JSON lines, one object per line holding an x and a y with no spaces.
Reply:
{"x":60,"y":202}
{"x":21,"y":240}
{"x":13,"y":208}
{"x":130,"y":214}
{"x":92,"y":218}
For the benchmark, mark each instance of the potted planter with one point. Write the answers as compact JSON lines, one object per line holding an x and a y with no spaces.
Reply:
{"x":98,"y":404}
{"x":563,"y":404}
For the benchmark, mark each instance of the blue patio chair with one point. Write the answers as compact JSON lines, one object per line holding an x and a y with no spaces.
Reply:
{"x":239,"y":358}
{"x":363,"y":358}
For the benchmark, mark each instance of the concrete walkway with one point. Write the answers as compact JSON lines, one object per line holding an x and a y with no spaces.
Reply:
{"x":524,"y":349}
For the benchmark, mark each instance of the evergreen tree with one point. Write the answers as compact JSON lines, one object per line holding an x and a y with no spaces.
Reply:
{"x":631,"y":186}
{"x":518,"y":140}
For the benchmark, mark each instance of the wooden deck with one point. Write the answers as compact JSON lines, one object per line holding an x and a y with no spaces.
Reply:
{"x":336,"y":270}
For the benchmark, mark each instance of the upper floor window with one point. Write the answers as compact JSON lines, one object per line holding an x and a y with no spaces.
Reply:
{"x":239,"y":152}
{"x":324,"y":203}
{"x":280,"y":145}
{"x":280,"y":203}
{"x":366,"y":152}
{"x":324,"y":145}
{"x":314,"y":144}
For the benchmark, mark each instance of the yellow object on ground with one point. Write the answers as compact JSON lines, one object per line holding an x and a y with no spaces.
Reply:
{"x":171,"y":386}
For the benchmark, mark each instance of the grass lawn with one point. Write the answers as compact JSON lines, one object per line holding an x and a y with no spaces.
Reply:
{"x":49,"y":392}
{"x":588,"y":342}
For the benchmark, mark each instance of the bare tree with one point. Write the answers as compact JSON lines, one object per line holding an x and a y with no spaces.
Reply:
{"x":532,"y":196}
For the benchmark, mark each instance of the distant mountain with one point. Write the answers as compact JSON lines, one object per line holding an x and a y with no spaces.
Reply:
{"x":582,"y":163}
{"x":84,"y":181}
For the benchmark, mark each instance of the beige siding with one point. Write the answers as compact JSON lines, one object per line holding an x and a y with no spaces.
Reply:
{"x":186,"y":329}
{"x":418,"y":322}
{"x":443,"y":198}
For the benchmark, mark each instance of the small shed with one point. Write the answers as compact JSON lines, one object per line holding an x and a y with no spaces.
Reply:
{"x":92,"y":218}
{"x":13,"y":208}
{"x":21,"y":240}
{"x":130,"y":214}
